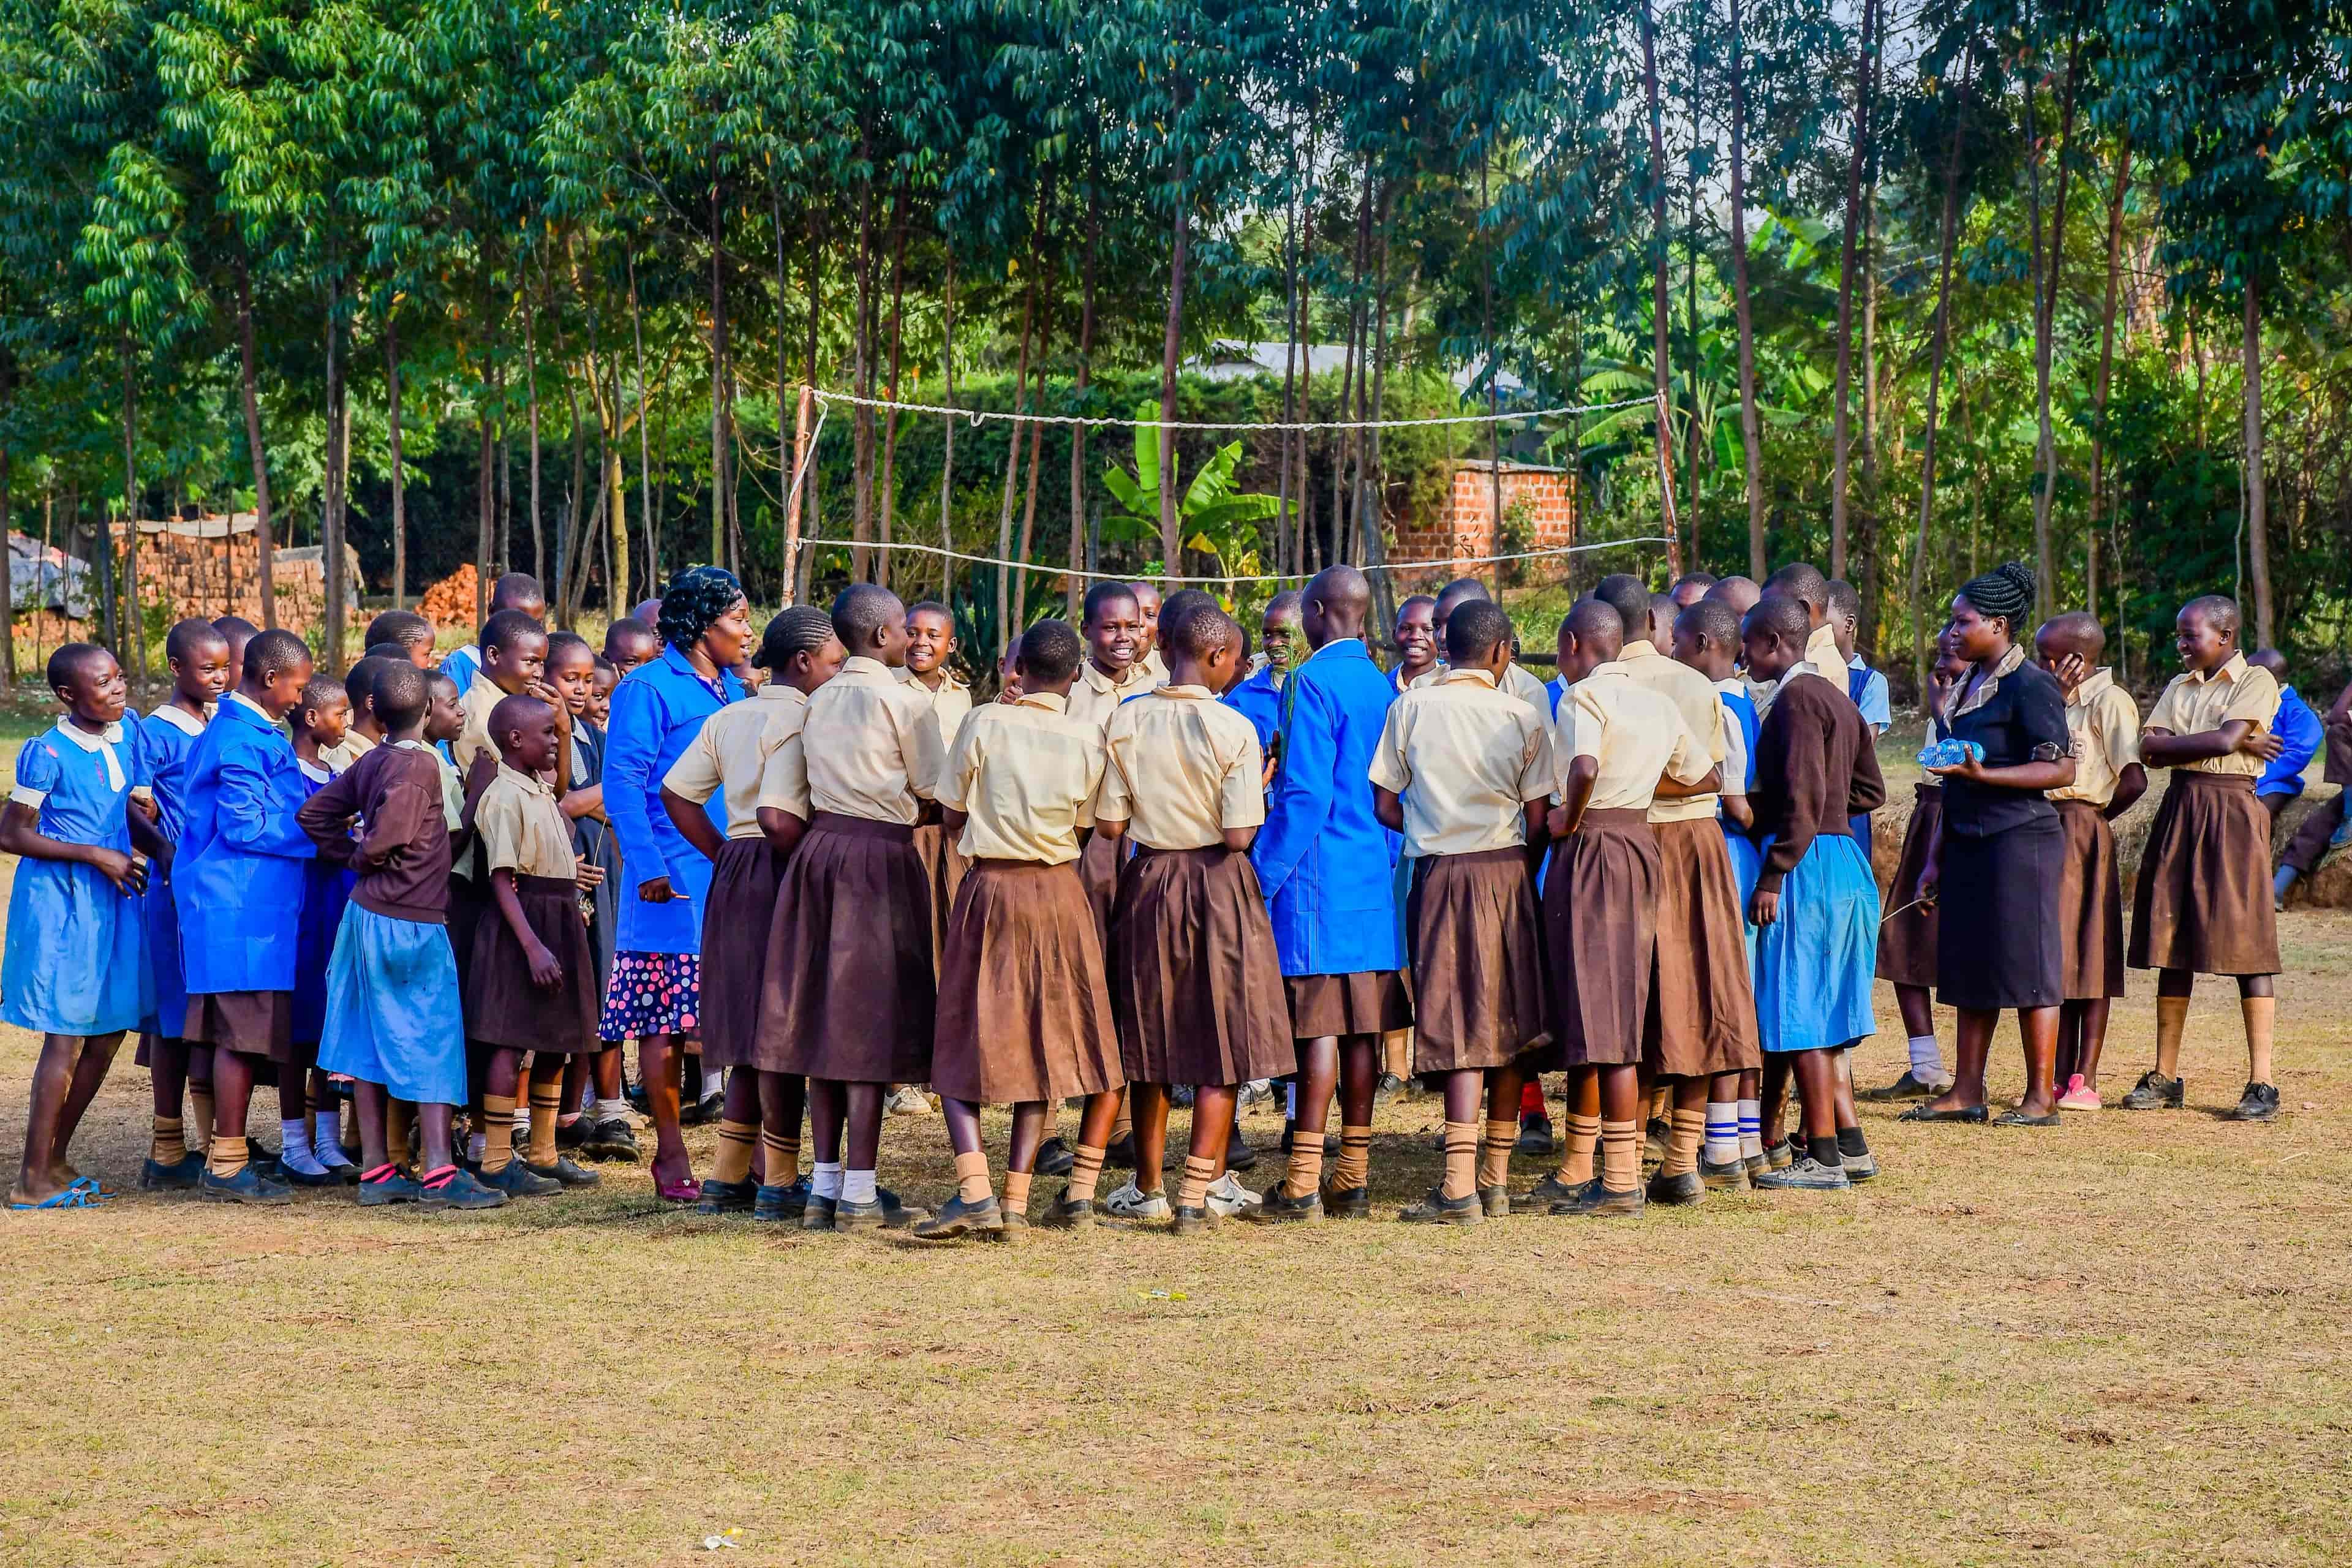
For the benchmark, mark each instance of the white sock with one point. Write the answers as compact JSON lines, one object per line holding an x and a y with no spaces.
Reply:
{"x":474,"y":1147}
{"x":612,"y":1110}
{"x":1722,"y":1131}
{"x":1927,"y":1060}
{"x":294,"y":1151}
{"x":1751,"y":1129}
{"x":824,"y":1182}
{"x":522,"y":1119}
{"x":327,"y":1144}
{"x":858,"y":1186}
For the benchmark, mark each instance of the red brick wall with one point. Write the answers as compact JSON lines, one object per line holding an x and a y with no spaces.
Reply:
{"x":1464,"y":528}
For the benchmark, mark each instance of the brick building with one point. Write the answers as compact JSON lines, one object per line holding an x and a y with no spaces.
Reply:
{"x":1465,"y":527}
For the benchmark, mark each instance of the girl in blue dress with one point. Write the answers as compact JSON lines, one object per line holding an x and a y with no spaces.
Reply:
{"x":320,"y":721}
{"x":198,"y":656}
{"x":75,"y":970}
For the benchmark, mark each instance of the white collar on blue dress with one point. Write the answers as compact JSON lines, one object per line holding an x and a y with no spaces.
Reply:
{"x":102,"y":745}
{"x":180,"y":718}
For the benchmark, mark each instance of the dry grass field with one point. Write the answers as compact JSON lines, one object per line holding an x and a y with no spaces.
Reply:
{"x":2128,"y":1340}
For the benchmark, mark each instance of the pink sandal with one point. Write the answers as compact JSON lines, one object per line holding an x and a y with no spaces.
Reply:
{"x":685,"y":1191}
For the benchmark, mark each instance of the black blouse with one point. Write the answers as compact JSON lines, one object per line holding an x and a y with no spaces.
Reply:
{"x":2023,"y":721}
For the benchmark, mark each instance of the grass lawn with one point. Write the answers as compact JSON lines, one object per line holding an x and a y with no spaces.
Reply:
{"x":2128,"y":1339}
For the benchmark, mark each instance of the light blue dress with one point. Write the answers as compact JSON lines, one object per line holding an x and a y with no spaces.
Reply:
{"x":160,"y":747}
{"x":1814,"y":965}
{"x":392,"y":1017}
{"x":76,"y":955}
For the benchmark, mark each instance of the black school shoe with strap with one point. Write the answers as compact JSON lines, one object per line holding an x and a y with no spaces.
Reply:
{"x":1346,"y":1202}
{"x":1276,"y":1207}
{"x":1055,"y":1157}
{"x":517,"y":1180}
{"x":566,"y":1172}
{"x":728,"y":1197}
{"x":1436,"y":1208}
{"x":1190,"y":1221}
{"x":2153,"y":1091}
{"x":2259,"y":1103}
{"x":774,"y":1204}
{"x":956,"y":1218}
{"x":394,"y":1186}
{"x":611,"y":1139}
{"x":247,"y":1186}
{"x":180,"y":1176}
{"x":1676,"y":1192}
{"x":462,"y":1190}
{"x":1070,"y":1213}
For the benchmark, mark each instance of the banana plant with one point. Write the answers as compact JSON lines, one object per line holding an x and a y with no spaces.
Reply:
{"x":1211,"y":516}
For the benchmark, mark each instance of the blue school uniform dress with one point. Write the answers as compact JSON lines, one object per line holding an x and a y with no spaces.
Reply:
{"x":2300,"y":730}
{"x":1739,"y":710}
{"x":658,"y":710}
{"x":160,"y":748}
{"x":326,"y":890}
{"x":77,"y":954}
{"x":1260,"y":701}
{"x":238,"y":873}
{"x":1324,"y":862}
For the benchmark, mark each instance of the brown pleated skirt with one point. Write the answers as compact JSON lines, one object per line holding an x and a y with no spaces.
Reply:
{"x":1701,"y":1020}
{"x":1601,"y":937}
{"x":1099,"y":864}
{"x":1023,"y":1009}
{"x":258,"y":1024}
{"x":849,"y":991}
{"x":1475,"y":936}
{"x":1196,"y":985}
{"x":2090,"y":905}
{"x":503,"y":1008}
{"x":2203,"y":900}
{"x":1366,"y":1002}
{"x":735,"y":921}
{"x":944,"y":865}
{"x":1907,"y":941}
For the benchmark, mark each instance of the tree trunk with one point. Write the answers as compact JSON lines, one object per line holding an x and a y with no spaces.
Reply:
{"x":1289,"y":553}
{"x":947,"y":457}
{"x":861,"y":376}
{"x":2106,"y":365}
{"x":1494,"y":372}
{"x":717,"y":386}
{"x":1751,"y":435}
{"x":1172,"y":546}
{"x":2258,"y":538}
{"x":1074,"y":588}
{"x":135,"y":612}
{"x":1920,"y":659}
{"x":530,"y":373}
{"x":889,"y":511}
{"x":2045,"y":317}
{"x":1029,"y":505}
{"x":1865,"y":577}
{"x":7,"y":556}
{"x":484,"y":522}
{"x":1841,"y":437}
{"x":1692,"y":433}
{"x":1012,"y":451}
{"x":399,"y":481}
{"x":1370,"y":487}
{"x":251,"y":389}
{"x":339,"y":458}
{"x":1661,"y":349}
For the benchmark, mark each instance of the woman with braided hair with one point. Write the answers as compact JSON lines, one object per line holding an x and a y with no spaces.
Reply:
{"x":655,"y":993}
{"x":1998,"y":853}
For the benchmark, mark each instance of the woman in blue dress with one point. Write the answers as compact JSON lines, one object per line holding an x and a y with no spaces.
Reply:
{"x":74,"y":971}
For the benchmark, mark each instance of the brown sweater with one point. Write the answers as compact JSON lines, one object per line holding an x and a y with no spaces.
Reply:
{"x":1815,"y":767}
{"x":395,"y":791}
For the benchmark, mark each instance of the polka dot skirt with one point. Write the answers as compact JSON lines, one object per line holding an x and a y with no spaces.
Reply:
{"x":651,"y":993}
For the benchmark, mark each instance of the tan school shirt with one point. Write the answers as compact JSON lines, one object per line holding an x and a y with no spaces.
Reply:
{"x":475,"y":738}
{"x":1094,"y":697}
{"x":338,"y":759}
{"x":1515,"y":681}
{"x":1154,"y":665}
{"x":2193,"y":704}
{"x":2103,"y":722}
{"x":950,"y":703}
{"x":868,"y":748}
{"x":1180,"y":768}
{"x":1635,"y":734}
{"x":1820,"y":657}
{"x":1693,"y":697}
{"x":729,"y":755}
{"x":522,"y":828}
{"x":1024,"y":776}
{"x":1466,"y":756}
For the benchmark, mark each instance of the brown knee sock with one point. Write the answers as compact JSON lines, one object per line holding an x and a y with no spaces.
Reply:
{"x":1461,"y":1160}
{"x":1192,"y":1192}
{"x":1085,"y":1174}
{"x":1355,"y":1166}
{"x":1124,"y":1125}
{"x":1686,"y":1129}
{"x":497,"y":1133}
{"x":1576,"y":1160}
{"x":783,"y":1156}
{"x":200,"y":1101}
{"x":2171,"y":1022}
{"x":971,"y":1177}
{"x":1016,"y":1191}
{"x":169,"y":1144}
{"x":736,"y":1140}
{"x":1621,"y":1155}
{"x":1306,"y":1171}
{"x":2262,"y":1015}
{"x":1494,"y":1154}
{"x":228,"y":1157}
{"x":399,"y":1118}
{"x":546,"y":1104}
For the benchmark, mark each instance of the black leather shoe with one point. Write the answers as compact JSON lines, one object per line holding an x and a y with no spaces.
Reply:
{"x":1725,"y":1178}
{"x":247,"y":1186}
{"x":1676,"y":1192}
{"x":956,"y":1218}
{"x":1070,"y":1213}
{"x":519,"y":1181}
{"x":566,"y":1173}
{"x":1276,"y":1207}
{"x":728,"y":1197}
{"x":180,"y":1176}
{"x":776,"y":1204}
{"x":1121,"y":1152}
{"x":1054,"y":1158}
{"x":816,"y":1213}
{"x":1438,"y":1209}
{"x":1190,"y":1221}
{"x":1347,"y":1202}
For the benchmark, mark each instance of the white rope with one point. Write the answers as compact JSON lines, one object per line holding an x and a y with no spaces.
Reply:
{"x":975,"y":416}
{"x":1047,"y":571}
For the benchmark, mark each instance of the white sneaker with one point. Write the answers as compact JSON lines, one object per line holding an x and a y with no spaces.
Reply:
{"x":1130,"y":1203}
{"x":908,"y":1101}
{"x":1228,"y":1197}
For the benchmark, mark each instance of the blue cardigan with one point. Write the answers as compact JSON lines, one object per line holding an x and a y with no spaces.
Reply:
{"x":236,"y":876}
{"x":658,"y":712}
{"x":1324,"y":861}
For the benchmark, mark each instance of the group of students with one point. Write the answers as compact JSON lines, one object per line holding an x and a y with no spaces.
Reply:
{"x":1154,"y":868}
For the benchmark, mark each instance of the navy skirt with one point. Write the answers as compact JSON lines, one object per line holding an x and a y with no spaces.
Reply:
{"x":1998,"y":941}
